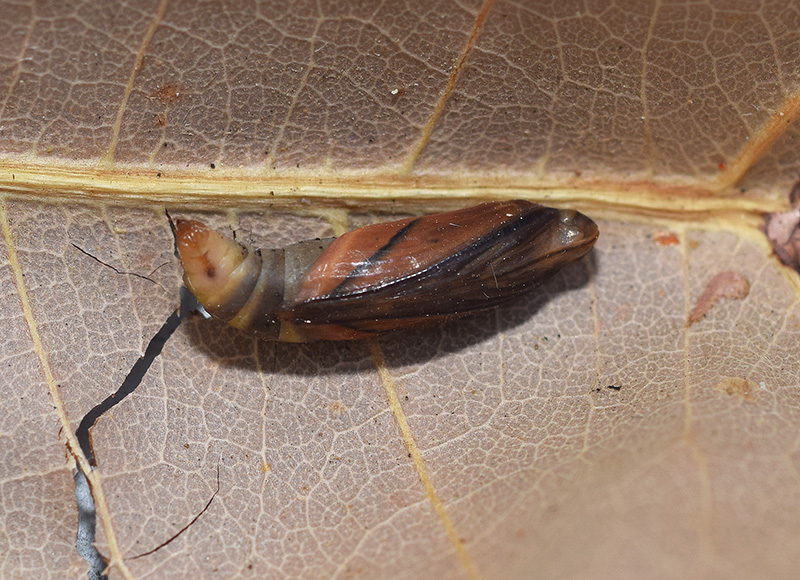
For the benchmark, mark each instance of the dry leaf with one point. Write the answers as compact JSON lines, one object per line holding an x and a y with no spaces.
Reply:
{"x":486,"y":448}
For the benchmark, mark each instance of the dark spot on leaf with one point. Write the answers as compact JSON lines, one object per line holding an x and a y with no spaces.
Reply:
{"x":166,"y":94}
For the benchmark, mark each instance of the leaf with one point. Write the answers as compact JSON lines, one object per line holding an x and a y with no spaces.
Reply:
{"x":584,"y":432}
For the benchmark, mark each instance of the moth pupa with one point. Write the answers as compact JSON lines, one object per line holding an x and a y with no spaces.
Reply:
{"x":382,"y":277}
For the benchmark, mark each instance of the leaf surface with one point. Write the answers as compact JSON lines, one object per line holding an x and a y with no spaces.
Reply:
{"x":584,"y":432}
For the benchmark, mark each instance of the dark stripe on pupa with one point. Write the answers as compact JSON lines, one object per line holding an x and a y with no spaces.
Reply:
{"x":365,"y":266}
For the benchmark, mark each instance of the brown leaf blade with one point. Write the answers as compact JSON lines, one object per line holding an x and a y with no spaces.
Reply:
{"x":582,"y":432}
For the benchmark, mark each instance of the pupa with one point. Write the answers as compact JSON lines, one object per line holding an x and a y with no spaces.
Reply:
{"x":382,"y":277}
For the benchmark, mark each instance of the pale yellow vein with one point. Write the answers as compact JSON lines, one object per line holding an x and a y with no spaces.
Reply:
{"x":72,"y":443}
{"x":438,"y":109}
{"x":137,"y":66}
{"x":705,"y":540}
{"x":419,"y":463}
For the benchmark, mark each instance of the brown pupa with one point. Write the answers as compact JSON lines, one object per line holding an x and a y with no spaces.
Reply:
{"x":382,"y":277}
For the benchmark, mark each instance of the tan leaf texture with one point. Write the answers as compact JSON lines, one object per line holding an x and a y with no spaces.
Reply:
{"x":584,"y":432}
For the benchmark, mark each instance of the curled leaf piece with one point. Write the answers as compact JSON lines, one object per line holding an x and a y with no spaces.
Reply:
{"x":783,"y":231}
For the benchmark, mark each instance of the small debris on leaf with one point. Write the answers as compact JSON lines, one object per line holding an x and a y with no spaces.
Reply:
{"x":666,"y":239}
{"x":737,"y":387}
{"x":727,"y":284}
{"x":167,"y":93}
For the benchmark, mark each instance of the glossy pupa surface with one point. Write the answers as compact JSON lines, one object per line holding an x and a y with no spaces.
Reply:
{"x":385,"y":276}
